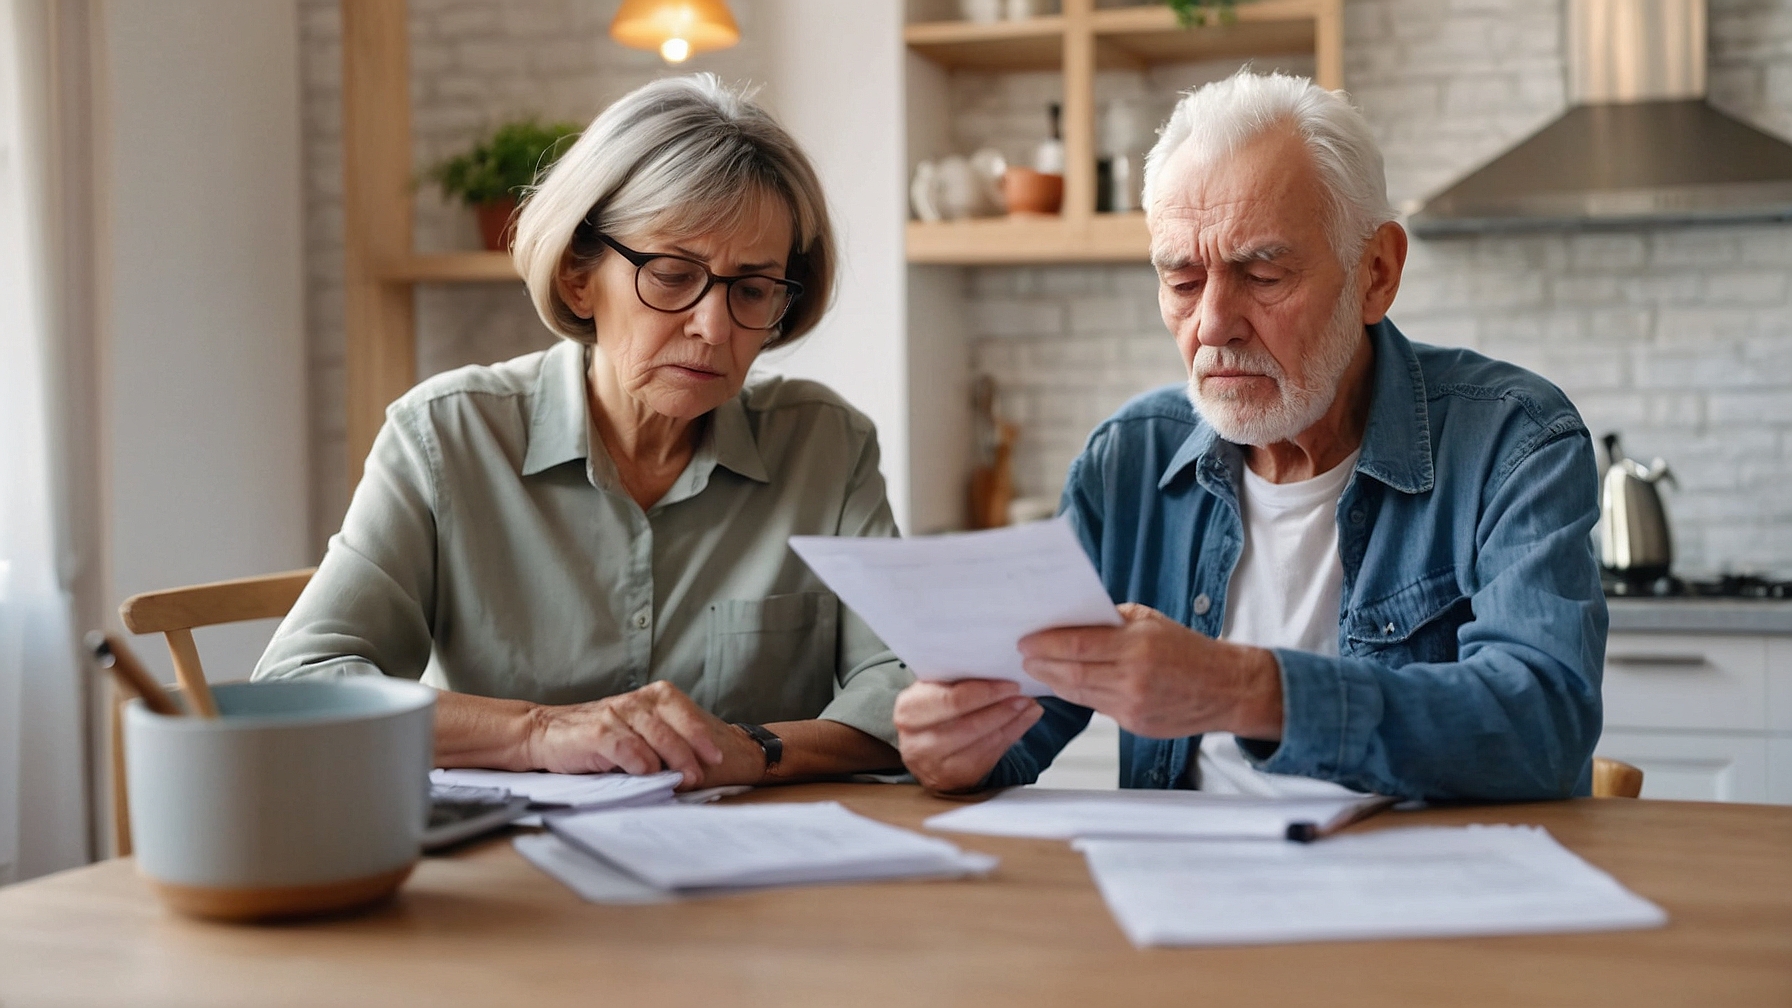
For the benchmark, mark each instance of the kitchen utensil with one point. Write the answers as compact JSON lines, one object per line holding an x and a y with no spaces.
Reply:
{"x":992,"y":481}
{"x":1027,"y":191}
{"x":980,"y":11}
{"x":1634,"y":540}
{"x":988,"y":164}
{"x":112,"y":655}
{"x":960,"y":192}
{"x":923,"y":193}
{"x":303,"y":797}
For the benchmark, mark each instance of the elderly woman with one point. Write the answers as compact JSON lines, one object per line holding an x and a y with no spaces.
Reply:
{"x":586,"y":546}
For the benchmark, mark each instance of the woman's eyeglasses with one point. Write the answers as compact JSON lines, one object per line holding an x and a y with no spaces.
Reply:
{"x":671,"y":283}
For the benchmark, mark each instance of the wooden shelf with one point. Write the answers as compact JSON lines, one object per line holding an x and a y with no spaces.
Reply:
{"x":992,"y":241}
{"x":450,"y":267}
{"x":1030,"y":44}
{"x":1144,"y":36}
{"x":1125,"y":37}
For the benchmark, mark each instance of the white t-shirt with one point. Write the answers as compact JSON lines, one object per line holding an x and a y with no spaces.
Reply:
{"x":1284,"y":594}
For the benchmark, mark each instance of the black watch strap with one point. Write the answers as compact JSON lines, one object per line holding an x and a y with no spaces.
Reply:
{"x":772,"y":744}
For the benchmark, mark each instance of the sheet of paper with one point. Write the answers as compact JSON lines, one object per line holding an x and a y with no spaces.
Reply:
{"x":593,"y":880}
{"x":685,"y":847}
{"x":581,"y":791}
{"x":1066,"y":814}
{"x":956,"y":606}
{"x":1420,"y":882}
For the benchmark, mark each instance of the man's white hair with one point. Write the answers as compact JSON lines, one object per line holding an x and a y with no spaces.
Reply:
{"x":1220,"y":117}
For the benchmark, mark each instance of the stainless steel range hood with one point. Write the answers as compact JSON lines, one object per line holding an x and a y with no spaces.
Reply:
{"x":1640,"y":146}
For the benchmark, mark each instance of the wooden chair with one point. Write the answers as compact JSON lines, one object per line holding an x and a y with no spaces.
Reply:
{"x":174,"y":613}
{"x":1615,"y":779}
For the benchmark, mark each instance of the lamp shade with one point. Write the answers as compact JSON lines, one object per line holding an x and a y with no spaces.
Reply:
{"x":675,"y":28}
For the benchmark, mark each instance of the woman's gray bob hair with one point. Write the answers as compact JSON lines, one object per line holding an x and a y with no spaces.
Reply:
{"x":683,"y":156}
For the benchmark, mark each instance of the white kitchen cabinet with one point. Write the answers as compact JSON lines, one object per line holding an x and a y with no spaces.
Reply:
{"x":1685,"y":766}
{"x":1705,"y":716}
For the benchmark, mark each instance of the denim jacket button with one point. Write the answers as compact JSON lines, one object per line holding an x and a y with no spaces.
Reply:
{"x":1202,"y":604}
{"x":1356,"y":516}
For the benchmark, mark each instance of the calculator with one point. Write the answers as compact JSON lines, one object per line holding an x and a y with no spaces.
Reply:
{"x":459,"y":813}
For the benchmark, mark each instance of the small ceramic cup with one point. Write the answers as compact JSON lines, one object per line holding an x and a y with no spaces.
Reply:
{"x":1027,"y":191}
{"x":303,"y":797}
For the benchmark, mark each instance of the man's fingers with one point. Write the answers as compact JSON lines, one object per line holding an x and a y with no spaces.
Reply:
{"x":1073,"y":644}
{"x":1072,"y":680}
{"x":925,"y":704}
{"x":966,"y":766}
{"x":945,"y":738}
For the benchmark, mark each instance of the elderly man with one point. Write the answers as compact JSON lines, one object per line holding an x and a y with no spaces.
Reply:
{"x":1356,"y":563}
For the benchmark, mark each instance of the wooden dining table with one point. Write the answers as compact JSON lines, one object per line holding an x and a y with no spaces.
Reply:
{"x":479,"y":926}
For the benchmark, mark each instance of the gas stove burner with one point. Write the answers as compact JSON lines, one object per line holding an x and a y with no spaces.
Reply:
{"x":1741,"y":586}
{"x":1735,"y":586}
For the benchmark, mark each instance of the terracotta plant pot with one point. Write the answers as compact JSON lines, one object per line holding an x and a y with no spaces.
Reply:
{"x":1027,"y":191}
{"x":497,"y":224}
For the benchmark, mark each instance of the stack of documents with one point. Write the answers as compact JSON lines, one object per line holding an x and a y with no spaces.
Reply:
{"x":650,"y":855}
{"x":1067,"y":814}
{"x":956,"y":606}
{"x":574,"y":791}
{"x":1402,"y":883}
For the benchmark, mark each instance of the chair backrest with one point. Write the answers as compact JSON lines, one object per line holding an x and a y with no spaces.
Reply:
{"x":1616,"y":779}
{"x":173,"y":613}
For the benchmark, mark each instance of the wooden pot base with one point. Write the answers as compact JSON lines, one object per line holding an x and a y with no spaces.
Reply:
{"x":279,"y":902}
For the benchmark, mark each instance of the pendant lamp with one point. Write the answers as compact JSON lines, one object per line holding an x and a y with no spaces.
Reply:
{"x":676,"y":28}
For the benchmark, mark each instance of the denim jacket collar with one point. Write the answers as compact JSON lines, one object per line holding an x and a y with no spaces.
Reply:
{"x":1396,"y":446}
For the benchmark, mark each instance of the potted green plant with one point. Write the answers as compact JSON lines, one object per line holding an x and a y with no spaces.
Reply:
{"x":1195,"y":13}
{"x":489,"y":177}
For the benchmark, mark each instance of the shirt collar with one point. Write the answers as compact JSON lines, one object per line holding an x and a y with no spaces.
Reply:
{"x":559,"y":430}
{"x":559,"y":421}
{"x":1396,"y":445}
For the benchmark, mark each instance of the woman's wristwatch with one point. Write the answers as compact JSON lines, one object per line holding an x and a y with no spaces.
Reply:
{"x":772,"y":744}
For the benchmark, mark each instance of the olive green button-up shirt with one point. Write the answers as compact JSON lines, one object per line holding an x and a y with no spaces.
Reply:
{"x":491,"y":543}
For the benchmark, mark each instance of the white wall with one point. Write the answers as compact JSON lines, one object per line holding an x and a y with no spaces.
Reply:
{"x":199,"y":283}
{"x":834,"y":79}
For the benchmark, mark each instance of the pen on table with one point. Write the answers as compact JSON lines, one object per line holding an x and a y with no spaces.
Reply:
{"x":114,"y":656}
{"x":1307,"y":832}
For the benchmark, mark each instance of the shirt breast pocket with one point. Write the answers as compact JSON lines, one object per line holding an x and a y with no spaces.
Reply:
{"x":1417,"y":623}
{"x":770,"y":659}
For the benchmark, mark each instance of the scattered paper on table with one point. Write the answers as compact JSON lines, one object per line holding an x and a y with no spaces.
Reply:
{"x":593,"y":880}
{"x":1066,"y":814}
{"x":580,"y":791}
{"x":956,"y":606}
{"x":1418,"y":882}
{"x":630,"y":855}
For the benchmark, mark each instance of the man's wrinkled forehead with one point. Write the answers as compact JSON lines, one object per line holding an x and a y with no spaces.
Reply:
{"x":1257,"y":202}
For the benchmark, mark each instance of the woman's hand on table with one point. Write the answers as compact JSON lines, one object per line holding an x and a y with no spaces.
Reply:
{"x":953,"y":733}
{"x":644,"y":731}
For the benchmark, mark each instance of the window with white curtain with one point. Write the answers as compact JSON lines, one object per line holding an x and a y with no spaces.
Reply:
{"x":39,"y":673}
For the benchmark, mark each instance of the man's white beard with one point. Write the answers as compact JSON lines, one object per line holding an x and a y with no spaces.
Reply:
{"x":1297,"y":407}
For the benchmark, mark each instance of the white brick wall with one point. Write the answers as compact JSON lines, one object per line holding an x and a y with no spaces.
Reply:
{"x":1679,"y":338}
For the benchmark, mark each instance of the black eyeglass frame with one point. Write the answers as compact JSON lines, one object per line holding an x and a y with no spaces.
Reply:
{"x":641,"y":259}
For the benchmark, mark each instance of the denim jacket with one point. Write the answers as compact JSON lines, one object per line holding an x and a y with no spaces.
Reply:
{"x":1471,"y":628}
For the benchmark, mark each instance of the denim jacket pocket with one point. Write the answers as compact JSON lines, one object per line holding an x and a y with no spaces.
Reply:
{"x":1417,"y":623}
{"x":770,"y":659}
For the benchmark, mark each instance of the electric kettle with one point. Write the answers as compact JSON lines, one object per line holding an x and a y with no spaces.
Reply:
{"x":1634,"y":543}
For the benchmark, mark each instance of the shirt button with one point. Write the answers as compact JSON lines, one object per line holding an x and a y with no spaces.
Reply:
{"x":1202,"y":604}
{"x":1356,"y":516}
{"x":642,"y":619}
